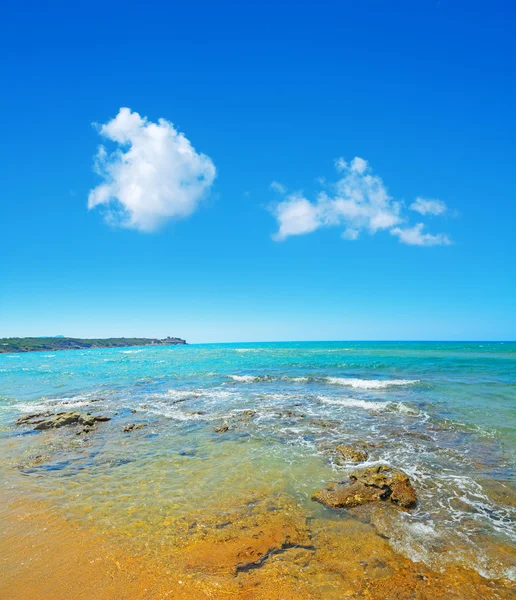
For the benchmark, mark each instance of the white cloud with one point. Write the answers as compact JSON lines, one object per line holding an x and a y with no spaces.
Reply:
{"x":358,"y":164}
{"x":414,"y":236}
{"x":428,"y":206}
{"x":296,"y":215}
{"x":360,"y":201}
{"x":278,"y":187}
{"x":154,"y":174}
{"x":350,"y":234}
{"x":357,"y":201}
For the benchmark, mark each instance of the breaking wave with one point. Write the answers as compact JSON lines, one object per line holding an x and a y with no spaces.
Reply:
{"x":370,"y":384}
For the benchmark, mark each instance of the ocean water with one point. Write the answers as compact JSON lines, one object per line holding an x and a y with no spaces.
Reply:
{"x":445,"y":413}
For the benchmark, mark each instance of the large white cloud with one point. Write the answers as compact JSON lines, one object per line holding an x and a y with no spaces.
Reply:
{"x":357,"y":201}
{"x":153,"y":175}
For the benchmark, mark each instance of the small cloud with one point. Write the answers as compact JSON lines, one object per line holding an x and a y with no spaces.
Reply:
{"x":296,"y":216}
{"x":428,"y":206}
{"x":153,"y":175}
{"x":341,"y":165}
{"x":278,"y":187}
{"x":414,"y":236}
{"x":350,"y":234}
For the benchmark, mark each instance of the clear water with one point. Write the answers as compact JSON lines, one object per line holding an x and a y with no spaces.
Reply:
{"x":445,"y":413}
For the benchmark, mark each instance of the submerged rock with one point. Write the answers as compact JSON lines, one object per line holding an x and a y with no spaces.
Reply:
{"x":133,"y":427}
{"x":221,"y":429}
{"x":247,"y":415}
{"x":372,"y":484}
{"x":60,"y":419}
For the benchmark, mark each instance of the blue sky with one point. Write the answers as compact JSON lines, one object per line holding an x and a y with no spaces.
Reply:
{"x":205,"y":248}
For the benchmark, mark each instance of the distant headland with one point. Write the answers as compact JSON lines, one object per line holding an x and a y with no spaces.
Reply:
{"x":45,"y":344}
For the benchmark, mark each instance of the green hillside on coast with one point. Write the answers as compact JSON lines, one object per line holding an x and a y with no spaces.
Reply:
{"x":42,"y":344}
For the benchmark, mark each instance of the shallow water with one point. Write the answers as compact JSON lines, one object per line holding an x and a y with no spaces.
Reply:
{"x":444,"y":413}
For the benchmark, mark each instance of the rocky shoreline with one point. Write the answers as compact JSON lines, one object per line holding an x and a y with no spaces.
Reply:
{"x":268,"y":545}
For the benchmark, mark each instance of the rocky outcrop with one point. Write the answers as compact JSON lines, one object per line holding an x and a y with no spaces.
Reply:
{"x":221,"y":429}
{"x":43,"y":421}
{"x":351,"y":454}
{"x":372,"y":484}
{"x":133,"y":427}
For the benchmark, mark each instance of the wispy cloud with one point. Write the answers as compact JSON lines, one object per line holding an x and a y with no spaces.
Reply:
{"x":357,"y":201}
{"x":428,"y":206}
{"x":152,"y":176}
{"x":278,"y":187}
{"x":414,"y":236}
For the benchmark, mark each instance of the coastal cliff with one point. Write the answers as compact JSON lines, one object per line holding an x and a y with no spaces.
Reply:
{"x":44,"y":344}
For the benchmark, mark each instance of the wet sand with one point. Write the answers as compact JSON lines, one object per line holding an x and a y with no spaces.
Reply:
{"x":269,"y":549}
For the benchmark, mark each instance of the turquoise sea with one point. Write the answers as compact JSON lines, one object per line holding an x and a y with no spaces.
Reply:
{"x":445,"y":413}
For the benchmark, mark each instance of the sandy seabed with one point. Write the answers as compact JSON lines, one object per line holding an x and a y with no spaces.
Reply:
{"x":268,"y":550}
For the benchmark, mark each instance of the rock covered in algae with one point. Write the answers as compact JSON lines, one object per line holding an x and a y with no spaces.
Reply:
{"x":44,"y":421}
{"x":133,"y":427}
{"x":351,"y":454}
{"x":221,"y":429}
{"x":372,"y":484}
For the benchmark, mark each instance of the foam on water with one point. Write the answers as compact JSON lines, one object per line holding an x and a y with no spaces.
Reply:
{"x":370,"y":384}
{"x":363,"y":404}
{"x":245,"y":378}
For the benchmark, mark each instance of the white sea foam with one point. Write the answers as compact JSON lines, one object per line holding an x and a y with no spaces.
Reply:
{"x":369,"y":384}
{"x":179,"y":394}
{"x":53,"y":404}
{"x":356,"y":403}
{"x":245,"y":378}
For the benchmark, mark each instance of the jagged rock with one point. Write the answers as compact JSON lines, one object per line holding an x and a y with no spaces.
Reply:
{"x":247,"y":415}
{"x":221,"y":429}
{"x":290,"y":414}
{"x":351,"y":454}
{"x":44,"y":421}
{"x":32,"y":419}
{"x":324,"y":423}
{"x":341,"y":495}
{"x":60,"y":420}
{"x":386,"y":477}
{"x":86,"y":429}
{"x":372,"y":484}
{"x":134,"y":426}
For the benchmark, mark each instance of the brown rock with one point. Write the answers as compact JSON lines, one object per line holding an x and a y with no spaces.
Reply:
{"x":134,"y":426}
{"x":372,"y":484}
{"x":32,"y":419}
{"x":60,"y":419}
{"x":386,"y":477}
{"x":349,"y":495}
{"x":221,"y":429}
{"x":352,"y":454}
